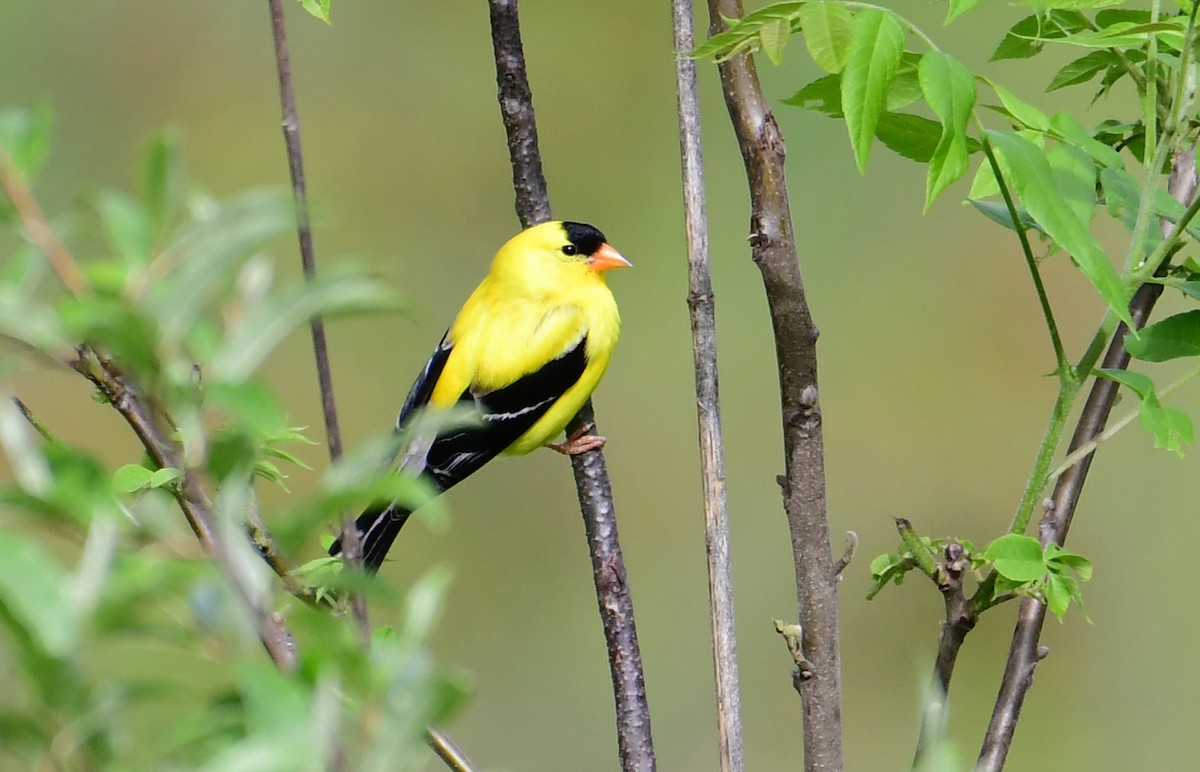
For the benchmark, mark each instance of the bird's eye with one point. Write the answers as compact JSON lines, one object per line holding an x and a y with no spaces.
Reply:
{"x":570,"y":249}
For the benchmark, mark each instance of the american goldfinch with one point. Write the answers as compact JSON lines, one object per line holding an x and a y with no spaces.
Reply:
{"x":525,"y":352}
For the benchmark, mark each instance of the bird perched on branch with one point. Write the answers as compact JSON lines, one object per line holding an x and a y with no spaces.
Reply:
{"x":525,"y":352}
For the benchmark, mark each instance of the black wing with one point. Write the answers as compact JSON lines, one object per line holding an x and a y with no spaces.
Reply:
{"x":418,"y":395}
{"x":506,"y":414}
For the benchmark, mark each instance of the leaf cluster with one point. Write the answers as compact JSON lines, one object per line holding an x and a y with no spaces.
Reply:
{"x":174,"y":313}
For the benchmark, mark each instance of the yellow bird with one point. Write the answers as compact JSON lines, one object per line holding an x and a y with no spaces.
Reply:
{"x":525,"y":352}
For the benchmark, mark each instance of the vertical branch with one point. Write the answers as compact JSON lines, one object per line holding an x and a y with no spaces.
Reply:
{"x":291,"y":138}
{"x":635,"y":745}
{"x":704,"y":351}
{"x":773,"y":249}
{"x":516,"y":110}
{"x":351,"y":542}
{"x":351,"y":546}
{"x":1024,"y":652}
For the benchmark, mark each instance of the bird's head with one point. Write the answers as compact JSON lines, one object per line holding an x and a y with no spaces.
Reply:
{"x":559,"y":249}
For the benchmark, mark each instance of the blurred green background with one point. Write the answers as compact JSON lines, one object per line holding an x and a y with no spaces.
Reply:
{"x":932,"y":370}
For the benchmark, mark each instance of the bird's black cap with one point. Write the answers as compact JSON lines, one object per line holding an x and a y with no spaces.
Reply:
{"x":585,"y":238}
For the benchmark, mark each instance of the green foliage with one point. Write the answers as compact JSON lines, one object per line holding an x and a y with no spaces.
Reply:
{"x":178,"y":312}
{"x":1021,"y":567}
{"x":1043,"y":175}
{"x":318,"y":8}
{"x":891,"y":568}
{"x":1051,"y":575}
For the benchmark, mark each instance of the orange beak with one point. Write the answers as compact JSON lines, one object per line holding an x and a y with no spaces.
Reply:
{"x":606,"y":258}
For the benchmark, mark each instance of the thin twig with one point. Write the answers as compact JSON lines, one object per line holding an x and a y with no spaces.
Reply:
{"x":192,"y":498}
{"x":634,"y":741}
{"x":38,"y":228}
{"x":39,"y":427}
{"x":1025,"y":652}
{"x":952,"y":565}
{"x":701,"y":303}
{"x":773,"y":248}
{"x":351,"y":547}
{"x":447,"y":750}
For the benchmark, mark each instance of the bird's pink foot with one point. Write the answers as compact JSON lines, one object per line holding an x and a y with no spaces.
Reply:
{"x":579,"y":441}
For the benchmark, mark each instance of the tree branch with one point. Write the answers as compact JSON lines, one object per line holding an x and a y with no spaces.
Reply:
{"x":773,"y":249}
{"x":1025,"y":652}
{"x":634,"y":741}
{"x":701,"y":302}
{"x":351,"y":544}
{"x":192,"y":498}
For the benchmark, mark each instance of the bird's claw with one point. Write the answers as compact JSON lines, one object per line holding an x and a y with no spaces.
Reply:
{"x":579,"y":442}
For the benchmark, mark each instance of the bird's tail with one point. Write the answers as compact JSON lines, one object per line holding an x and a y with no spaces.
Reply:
{"x":377,"y":529}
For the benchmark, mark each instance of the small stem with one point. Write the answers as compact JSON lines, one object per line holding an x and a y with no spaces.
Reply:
{"x":1089,"y":447}
{"x":701,"y":304}
{"x":1060,"y":356}
{"x":38,"y":228}
{"x":351,"y":546}
{"x":1067,"y":393}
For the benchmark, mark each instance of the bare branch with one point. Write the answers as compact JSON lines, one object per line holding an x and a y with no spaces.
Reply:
{"x":960,"y":619}
{"x":516,"y":109}
{"x":773,"y":249}
{"x":635,"y":745}
{"x":351,"y":545}
{"x":701,"y":302}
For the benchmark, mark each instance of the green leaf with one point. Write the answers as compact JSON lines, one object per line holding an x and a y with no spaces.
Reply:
{"x":126,"y":227}
{"x":33,"y":589}
{"x":1033,"y":180}
{"x":773,"y":37}
{"x":1059,"y":591}
{"x":1057,"y":558}
{"x":1188,"y":288}
{"x":1083,"y":69}
{"x":264,"y":327}
{"x":1136,"y":382}
{"x":163,"y":181}
{"x":949,"y":88}
{"x":1174,"y":337}
{"x":164,"y":476}
{"x":206,"y":258}
{"x":1074,"y":175}
{"x":997,"y":212}
{"x":1130,"y":35}
{"x":1020,"y":111}
{"x":1027,"y":37}
{"x":1171,"y":428}
{"x":132,"y":477}
{"x":875,"y":53}
{"x":912,"y":136}
{"x":828,"y":29}
{"x":823,"y":95}
{"x":251,"y":406}
{"x":905,"y":87}
{"x":1067,"y":128}
{"x":318,"y":8}
{"x":25,"y":136}
{"x":1077,"y":4}
{"x":958,"y":8}
{"x":1017,"y":557}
